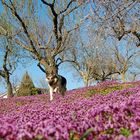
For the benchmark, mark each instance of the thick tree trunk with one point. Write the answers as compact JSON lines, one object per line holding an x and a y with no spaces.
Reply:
{"x":9,"y":88}
{"x":50,"y":68}
{"x":123,"y":77}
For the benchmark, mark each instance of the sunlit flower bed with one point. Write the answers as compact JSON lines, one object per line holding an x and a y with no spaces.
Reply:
{"x":108,"y":111}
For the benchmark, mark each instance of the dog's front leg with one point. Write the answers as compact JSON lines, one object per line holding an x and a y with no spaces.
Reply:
{"x":51,"y":94}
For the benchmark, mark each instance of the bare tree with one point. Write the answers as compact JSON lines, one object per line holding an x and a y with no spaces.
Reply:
{"x":7,"y":52}
{"x":44,"y":40}
{"x":5,"y":72}
{"x":10,"y":54}
{"x":117,"y":19}
{"x":120,"y":19}
{"x":104,"y":68}
{"x":124,"y":61}
{"x":93,"y":61}
{"x":134,"y":75}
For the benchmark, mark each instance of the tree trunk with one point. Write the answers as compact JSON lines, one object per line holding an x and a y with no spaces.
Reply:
{"x":49,"y":68}
{"x":86,"y":82}
{"x":9,"y":88}
{"x":123,"y":77}
{"x":103,"y":79}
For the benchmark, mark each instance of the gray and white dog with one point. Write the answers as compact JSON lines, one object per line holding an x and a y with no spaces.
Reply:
{"x":57,"y":84}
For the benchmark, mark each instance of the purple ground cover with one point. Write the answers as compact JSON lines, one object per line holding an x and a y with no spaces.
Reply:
{"x":108,"y":111}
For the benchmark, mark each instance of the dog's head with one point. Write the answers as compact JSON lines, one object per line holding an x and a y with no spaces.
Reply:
{"x":52,"y":79}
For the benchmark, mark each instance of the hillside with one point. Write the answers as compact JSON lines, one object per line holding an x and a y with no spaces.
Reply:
{"x":107,"y":111}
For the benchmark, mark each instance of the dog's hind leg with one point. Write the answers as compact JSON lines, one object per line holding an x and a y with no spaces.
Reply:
{"x":63,"y":90}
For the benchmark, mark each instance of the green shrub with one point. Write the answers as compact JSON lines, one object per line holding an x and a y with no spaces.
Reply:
{"x":27,"y":87}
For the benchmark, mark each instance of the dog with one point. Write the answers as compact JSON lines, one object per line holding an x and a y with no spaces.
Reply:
{"x":57,"y":84}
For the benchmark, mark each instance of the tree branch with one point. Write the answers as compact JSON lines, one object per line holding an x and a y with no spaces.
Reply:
{"x":53,"y":2}
{"x":71,"y":10}
{"x":5,"y":72}
{"x":66,"y":7}
{"x":2,"y":73}
{"x":138,"y":36}
{"x":13,"y":10}
{"x":3,"y":32}
{"x":5,"y":58}
{"x":24,"y":46}
{"x":111,"y":73}
{"x":55,"y":17}
{"x":46,"y":3}
{"x":41,"y":68}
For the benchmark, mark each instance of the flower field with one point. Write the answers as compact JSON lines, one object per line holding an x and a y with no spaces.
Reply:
{"x":107,"y":111}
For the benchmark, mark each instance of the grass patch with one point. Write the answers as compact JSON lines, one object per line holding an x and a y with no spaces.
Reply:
{"x":19,"y":103}
{"x":109,"y":131}
{"x":125,"y":132}
{"x":107,"y":90}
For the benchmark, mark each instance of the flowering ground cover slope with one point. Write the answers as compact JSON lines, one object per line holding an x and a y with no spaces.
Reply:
{"x":108,"y":111}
